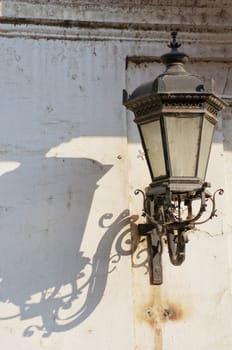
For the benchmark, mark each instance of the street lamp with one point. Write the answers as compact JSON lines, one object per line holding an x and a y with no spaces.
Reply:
{"x":176,"y":115}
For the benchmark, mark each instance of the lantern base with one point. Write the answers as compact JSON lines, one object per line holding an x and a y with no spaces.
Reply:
{"x":184,"y":187}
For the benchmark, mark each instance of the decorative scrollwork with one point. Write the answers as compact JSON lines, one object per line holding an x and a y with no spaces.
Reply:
{"x":167,"y":218}
{"x":144,"y":211}
{"x":220,"y":191}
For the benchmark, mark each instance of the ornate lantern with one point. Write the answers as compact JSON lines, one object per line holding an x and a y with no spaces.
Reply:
{"x":176,"y":115}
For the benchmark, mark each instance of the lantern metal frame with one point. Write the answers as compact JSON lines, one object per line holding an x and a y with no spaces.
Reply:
{"x":168,"y":201}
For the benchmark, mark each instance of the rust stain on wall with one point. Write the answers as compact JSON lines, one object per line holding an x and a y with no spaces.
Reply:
{"x":150,"y":313}
{"x":158,"y":310}
{"x":173,"y":312}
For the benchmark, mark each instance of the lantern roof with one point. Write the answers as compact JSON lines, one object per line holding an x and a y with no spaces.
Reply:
{"x":175,"y":78}
{"x":174,"y":81}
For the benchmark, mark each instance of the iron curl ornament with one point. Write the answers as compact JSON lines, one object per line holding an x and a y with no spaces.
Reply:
{"x":172,"y":217}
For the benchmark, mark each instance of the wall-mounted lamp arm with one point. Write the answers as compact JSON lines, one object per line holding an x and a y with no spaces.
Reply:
{"x":175,"y":229}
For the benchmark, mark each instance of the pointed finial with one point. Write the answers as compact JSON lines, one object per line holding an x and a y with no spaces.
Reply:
{"x":174,"y":44}
{"x":174,"y":56}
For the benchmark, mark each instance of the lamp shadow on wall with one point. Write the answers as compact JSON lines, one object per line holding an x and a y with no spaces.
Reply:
{"x":49,"y":280}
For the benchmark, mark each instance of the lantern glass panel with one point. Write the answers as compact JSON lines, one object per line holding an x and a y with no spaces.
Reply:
{"x":183,"y":135}
{"x":206,"y":141}
{"x":151,"y":133}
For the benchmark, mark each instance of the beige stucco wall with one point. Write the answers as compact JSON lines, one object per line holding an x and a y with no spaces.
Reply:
{"x":70,"y":159}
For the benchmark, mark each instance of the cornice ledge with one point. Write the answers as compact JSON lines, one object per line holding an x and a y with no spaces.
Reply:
{"x":105,"y":30}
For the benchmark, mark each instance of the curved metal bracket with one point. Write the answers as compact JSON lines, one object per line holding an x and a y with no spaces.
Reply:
{"x":164,"y":218}
{"x":220,"y":191}
{"x":144,"y":210}
{"x":176,"y":246}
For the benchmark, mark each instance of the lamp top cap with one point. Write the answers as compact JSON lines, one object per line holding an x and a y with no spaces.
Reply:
{"x":174,"y":56}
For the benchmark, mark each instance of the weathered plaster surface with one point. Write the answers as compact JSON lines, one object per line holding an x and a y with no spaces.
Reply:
{"x":70,"y":159}
{"x":211,"y":12}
